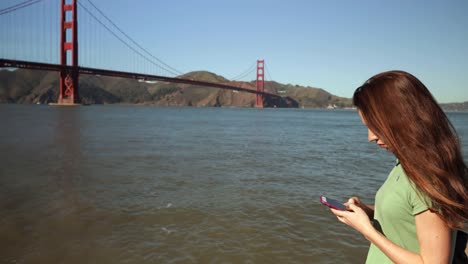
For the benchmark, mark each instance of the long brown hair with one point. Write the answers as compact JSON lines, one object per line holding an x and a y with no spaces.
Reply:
{"x":400,"y":110}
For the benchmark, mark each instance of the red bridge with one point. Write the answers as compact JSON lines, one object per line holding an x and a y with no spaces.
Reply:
{"x":34,"y":49}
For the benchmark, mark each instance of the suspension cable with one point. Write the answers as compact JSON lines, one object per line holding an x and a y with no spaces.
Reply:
{"x":123,"y":41}
{"x":133,"y":41}
{"x":268,"y":73}
{"x":18,"y":6}
{"x":244,"y":73}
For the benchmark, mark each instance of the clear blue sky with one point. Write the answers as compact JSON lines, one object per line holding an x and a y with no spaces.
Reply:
{"x":331,"y":44}
{"x":335,"y":44}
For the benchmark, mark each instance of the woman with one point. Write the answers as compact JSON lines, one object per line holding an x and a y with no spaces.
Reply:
{"x":425,"y":197}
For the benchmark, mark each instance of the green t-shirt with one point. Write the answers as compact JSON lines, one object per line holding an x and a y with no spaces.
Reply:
{"x":397,"y":203}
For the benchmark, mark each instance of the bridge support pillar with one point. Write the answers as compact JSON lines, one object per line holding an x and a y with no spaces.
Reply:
{"x":69,"y":94}
{"x":260,"y":84}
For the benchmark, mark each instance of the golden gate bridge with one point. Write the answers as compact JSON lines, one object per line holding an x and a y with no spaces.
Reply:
{"x":14,"y":20}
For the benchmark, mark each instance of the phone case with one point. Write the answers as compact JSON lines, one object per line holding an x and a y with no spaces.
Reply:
{"x":332,"y":203}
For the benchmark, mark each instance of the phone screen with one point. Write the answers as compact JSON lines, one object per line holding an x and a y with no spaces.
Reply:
{"x":332,"y":203}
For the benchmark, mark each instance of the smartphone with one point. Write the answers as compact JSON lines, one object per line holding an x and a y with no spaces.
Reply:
{"x":332,"y":203}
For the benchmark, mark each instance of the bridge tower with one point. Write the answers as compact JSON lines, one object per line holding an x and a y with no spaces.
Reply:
{"x":69,"y":94}
{"x":260,"y":84}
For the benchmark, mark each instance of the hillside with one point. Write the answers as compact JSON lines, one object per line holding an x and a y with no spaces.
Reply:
{"x":455,"y":106}
{"x":26,"y":86}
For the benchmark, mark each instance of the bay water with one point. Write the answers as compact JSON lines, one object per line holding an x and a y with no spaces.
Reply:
{"x":146,"y":184}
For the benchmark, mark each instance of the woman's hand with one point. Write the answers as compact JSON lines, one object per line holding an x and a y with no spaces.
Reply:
{"x":369,"y":209}
{"x":356,"y":218}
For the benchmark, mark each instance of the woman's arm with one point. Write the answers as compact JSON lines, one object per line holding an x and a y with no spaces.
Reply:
{"x":433,"y":236}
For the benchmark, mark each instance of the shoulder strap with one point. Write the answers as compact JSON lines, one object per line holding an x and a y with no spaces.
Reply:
{"x":459,"y":256}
